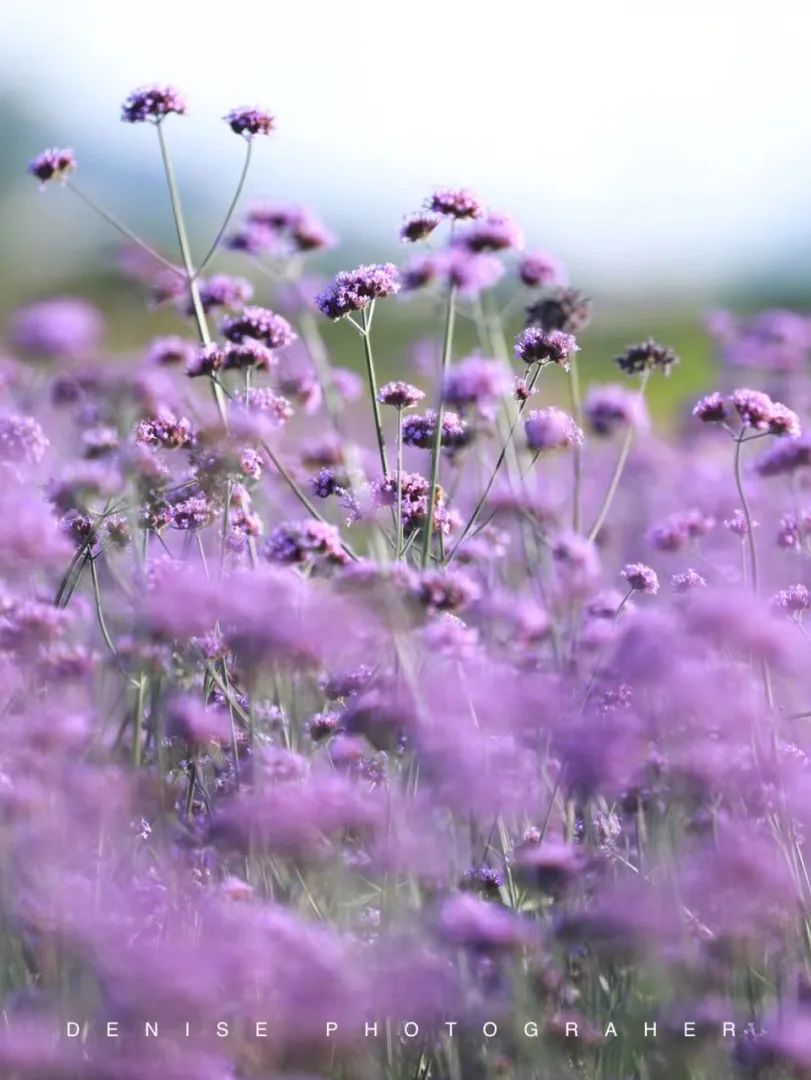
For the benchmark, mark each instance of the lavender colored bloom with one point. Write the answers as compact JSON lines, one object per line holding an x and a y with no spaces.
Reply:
{"x":222,"y":290}
{"x":419,"y":430}
{"x":454,"y":203}
{"x":641,"y":578}
{"x":686,"y":581}
{"x":170,"y":351}
{"x":276,"y":409}
{"x":166,"y":430}
{"x":248,"y":354}
{"x":648,"y":356}
{"x":400,"y":395}
{"x":53,"y":165}
{"x":476,"y":383}
{"x":22,"y":440}
{"x":738,"y":524}
{"x":612,"y":407}
{"x":445,"y":590}
{"x":564,"y":309}
{"x":680,"y":528}
{"x":786,"y":457}
{"x":417,"y":227}
{"x":152,"y":103}
{"x":795,"y":599}
{"x":353,"y":290}
{"x":308,"y":543}
{"x":249,"y":121}
{"x":711,"y":409}
{"x":472,"y":923}
{"x":421,"y":272}
{"x":537,"y":270}
{"x":776,"y":340}
{"x":495,"y":232}
{"x":537,"y":346}
{"x":65,"y":328}
{"x":470,"y":273}
{"x":551,"y":429}
{"x":259,"y":324}
{"x":414,"y":492}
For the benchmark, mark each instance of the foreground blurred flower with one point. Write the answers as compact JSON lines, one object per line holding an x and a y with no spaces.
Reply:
{"x":65,"y":328}
{"x":53,"y":165}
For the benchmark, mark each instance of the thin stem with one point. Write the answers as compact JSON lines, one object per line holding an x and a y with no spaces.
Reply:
{"x":105,"y":633}
{"x":230,"y":212}
{"x":471,"y":521}
{"x":111,"y":219}
{"x":436,"y":448}
{"x":577,"y":452}
{"x":398,"y":546}
{"x":366,"y":315}
{"x":750,"y":532}
{"x":185,"y":252}
{"x":619,"y":468}
{"x":139,"y":719}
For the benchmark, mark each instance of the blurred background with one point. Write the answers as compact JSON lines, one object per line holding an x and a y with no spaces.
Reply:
{"x":662,"y":152}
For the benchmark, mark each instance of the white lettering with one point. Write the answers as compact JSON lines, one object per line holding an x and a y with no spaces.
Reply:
{"x":531,"y":1030}
{"x":689,"y":1029}
{"x":331,"y":1027}
{"x":650,"y":1029}
{"x":112,"y":1029}
{"x":450,"y":1025}
{"x":261,"y":1029}
{"x":729,"y":1029}
{"x":411,"y":1029}
{"x":489,"y":1029}
{"x":150,"y":1028}
{"x":611,"y":1030}
{"x":571,"y":1028}
{"x":72,"y":1029}
{"x":370,"y":1029}
{"x":222,"y":1029}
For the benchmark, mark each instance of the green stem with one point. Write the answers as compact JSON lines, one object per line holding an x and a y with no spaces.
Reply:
{"x":139,"y":720}
{"x":750,"y":531}
{"x":398,"y":547}
{"x":188,"y":265}
{"x":366,"y":315}
{"x":230,"y":212}
{"x":436,"y":449}
{"x":111,"y":219}
{"x":619,"y":468}
{"x":577,"y":452}
{"x":471,"y":521}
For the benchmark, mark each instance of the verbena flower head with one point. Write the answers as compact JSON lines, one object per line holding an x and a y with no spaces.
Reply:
{"x":22,"y":440}
{"x":65,"y":328}
{"x":400,"y":395}
{"x":170,"y":351}
{"x":564,"y":309}
{"x":611,"y":408}
{"x":713,"y":408}
{"x":786,"y":457}
{"x":309,"y":542}
{"x":686,"y":581}
{"x":249,"y":121}
{"x":417,"y":227}
{"x":476,"y":382}
{"x":456,"y":203}
{"x":537,"y":270}
{"x":223,"y":291}
{"x":794,"y":599}
{"x":647,"y":356}
{"x":353,"y":290}
{"x":641,"y":578}
{"x":261,"y":325}
{"x":537,"y":346}
{"x":757,"y":411}
{"x":152,"y":103}
{"x":771,"y":341}
{"x":551,"y":429}
{"x":419,"y":430}
{"x":737,"y":523}
{"x":53,"y":165}
{"x":495,"y":232}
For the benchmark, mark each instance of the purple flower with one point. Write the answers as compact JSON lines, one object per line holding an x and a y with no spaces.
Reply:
{"x":22,"y":440}
{"x":224,"y":291}
{"x":353,"y":290}
{"x":249,"y":121}
{"x":400,"y":395}
{"x":737,"y":523}
{"x":758,"y":411}
{"x":53,"y":165}
{"x":152,"y":103}
{"x":648,"y":356}
{"x":686,"y":581}
{"x":305,"y":543}
{"x":65,"y":328}
{"x":609,"y":408}
{"x":495,"y":232}
{"x":564,"y":309}
{"x":794,"y":599}
{"x":170,"y":351}
{"x":166,"y":430}
{"x":551,"y":429}
{"x":470,"y":273}
{"x":472,"y":923}
{"x":786,"y":457}
{"x":445,"y":590}
{"x":537,"y":346}
{"x":276,"y":409}
{"x":259,"y":324}
{"x":711,"y":409}
{"x":419,"y":430}
{"x":677,"y":530}
{"x":537,"y":270}
{"x":776,"y":341}
{"x":641,"y":578}
{"x":476,"y":383}
{"x":417,"y":227}
{"x":454,"y":203}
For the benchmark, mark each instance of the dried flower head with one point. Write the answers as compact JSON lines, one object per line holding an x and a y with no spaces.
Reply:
{"x":417,"y":227}
{"x":152,"y":103}
{"x":249,"y":121}
{"x":53,"y":165}
{"x":537,"y":346}
{"x":641,"y":578}
{"x":648,"y":356}
{"x":400,"y":395}
{"x":564,"y":309}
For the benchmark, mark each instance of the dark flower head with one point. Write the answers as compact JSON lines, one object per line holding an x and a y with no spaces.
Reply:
{"x":609,"y":408}
{"x":641,"y":578}
{"x":551,"y":429}
{"x":400,"y":395}
{"x":250,"y":121}
{"x":564,"y":309}
{"x":419,"y":430}
{"x":152,"y":103}
{"x":353,"y":290}
{"x":53,"y":165}
{"x":305,"y":543}
{"x":417,"y":227}
{"x":648,"y":356}
{"x":687,"y":581}
{"x":538,"y":270}
{"x":495,"y":232}
{"x":445,"y":590}
{"x":455,"y":203}
{"x":260,"y":324}
{"x":170,"y":351}
{"x":537,"y":346}
{"x":711,"y":409}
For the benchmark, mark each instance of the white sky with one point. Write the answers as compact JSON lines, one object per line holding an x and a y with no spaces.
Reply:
{"x":639,"y":139}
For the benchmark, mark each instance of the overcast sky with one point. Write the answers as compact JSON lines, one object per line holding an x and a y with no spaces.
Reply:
{"x":641,"y":140}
